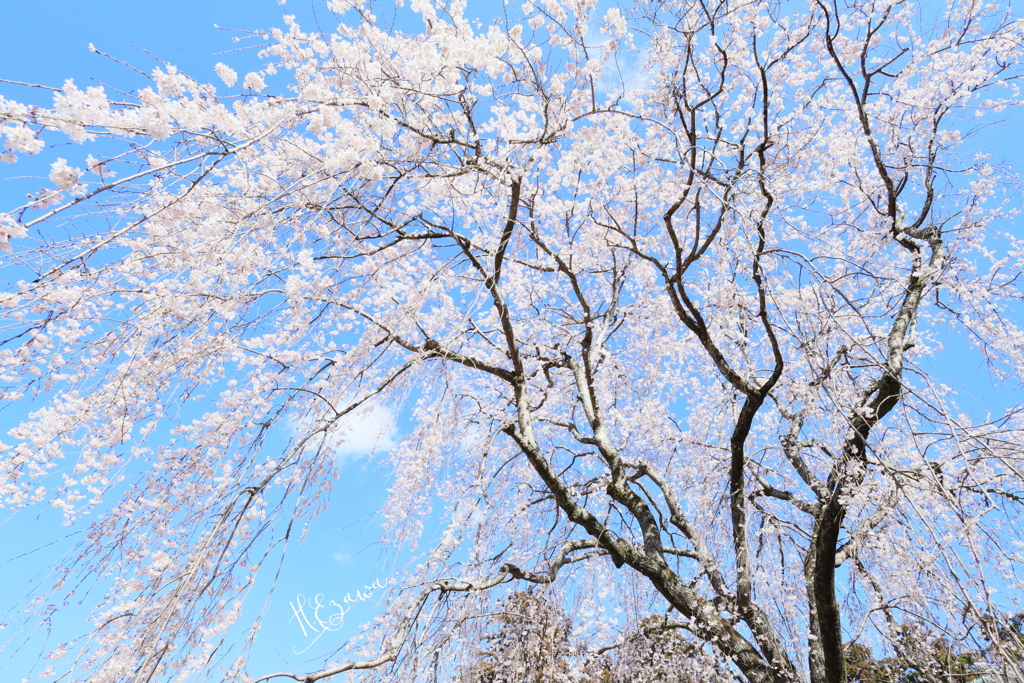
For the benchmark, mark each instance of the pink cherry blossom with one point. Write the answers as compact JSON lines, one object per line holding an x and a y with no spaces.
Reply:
{"x":226,"y":74}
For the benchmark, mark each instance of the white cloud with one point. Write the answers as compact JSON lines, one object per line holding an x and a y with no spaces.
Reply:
{"x":625,"y":73}
{"x":371,"y":429}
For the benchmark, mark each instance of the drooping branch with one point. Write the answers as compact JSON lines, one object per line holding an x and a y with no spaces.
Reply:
{"x":406,"y":625}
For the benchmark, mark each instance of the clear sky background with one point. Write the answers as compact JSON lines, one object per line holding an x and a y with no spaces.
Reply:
{"x":46,"y":42}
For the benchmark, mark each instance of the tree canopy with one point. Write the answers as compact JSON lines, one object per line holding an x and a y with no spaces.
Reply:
{"x":665,"y":290}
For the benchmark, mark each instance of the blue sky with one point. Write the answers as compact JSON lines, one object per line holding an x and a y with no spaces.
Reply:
{"x":46,"y":41}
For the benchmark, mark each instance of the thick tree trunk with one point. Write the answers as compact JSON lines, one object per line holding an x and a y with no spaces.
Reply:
{"x":826,"y":655}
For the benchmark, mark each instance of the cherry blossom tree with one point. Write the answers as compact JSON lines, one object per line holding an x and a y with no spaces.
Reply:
{"x":530,"y":642}
{"x":663,"y":289}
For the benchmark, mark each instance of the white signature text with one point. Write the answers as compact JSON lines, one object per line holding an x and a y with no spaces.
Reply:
{"x":316,"y":618}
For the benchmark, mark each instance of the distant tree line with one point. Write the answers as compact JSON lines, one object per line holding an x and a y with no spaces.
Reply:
{"x":531,"y":640}
{"x":923,"y":657}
